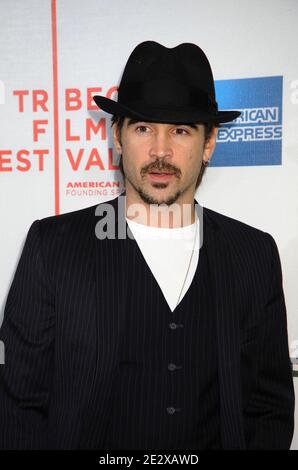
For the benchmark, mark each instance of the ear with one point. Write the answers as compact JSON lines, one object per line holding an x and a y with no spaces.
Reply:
{"x":210,"y":145}
{"x":117,"y":140}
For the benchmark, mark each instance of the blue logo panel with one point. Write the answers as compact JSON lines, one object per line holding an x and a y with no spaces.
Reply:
{"x":254,"y":138}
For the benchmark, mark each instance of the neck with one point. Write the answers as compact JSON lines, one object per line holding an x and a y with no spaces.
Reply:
{"x":179,"y":214}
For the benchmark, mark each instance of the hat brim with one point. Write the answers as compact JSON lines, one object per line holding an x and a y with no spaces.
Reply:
{"x":171,"y":115}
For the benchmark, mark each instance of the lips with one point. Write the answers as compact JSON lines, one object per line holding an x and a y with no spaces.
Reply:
{"x":159,"y":176}
{"x":161,"y":173}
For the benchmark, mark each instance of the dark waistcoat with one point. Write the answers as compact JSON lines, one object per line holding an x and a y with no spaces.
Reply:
{"x":165,"y":392}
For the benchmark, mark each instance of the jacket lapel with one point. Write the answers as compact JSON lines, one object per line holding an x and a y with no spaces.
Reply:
{"x":110,"y":277}
{"x":223,"y":275}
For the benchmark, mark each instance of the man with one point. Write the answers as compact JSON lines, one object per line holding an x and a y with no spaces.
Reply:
{"x":171,"y":335}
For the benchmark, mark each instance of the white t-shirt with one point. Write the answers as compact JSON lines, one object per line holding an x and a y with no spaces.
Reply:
{"x":168,"y":251}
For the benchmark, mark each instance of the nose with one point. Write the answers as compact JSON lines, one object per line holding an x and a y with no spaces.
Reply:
{"x":161,"y":145}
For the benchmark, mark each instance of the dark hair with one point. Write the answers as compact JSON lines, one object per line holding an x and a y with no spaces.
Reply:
{"x":208,"y":126}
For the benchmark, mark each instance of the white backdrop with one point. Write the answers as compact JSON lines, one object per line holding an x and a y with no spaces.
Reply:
{"x":82,"y":47}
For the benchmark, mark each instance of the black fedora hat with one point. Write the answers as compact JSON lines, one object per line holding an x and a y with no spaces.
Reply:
{"x":164,"y":84}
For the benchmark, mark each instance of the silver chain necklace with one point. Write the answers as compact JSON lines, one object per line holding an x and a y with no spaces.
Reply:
{"x":191,"y":256}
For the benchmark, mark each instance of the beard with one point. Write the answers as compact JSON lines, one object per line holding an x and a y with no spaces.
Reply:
{"x":149,"y":199}
{"x":169,"y":200}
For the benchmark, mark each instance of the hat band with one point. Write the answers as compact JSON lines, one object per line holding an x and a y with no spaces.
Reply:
{"x":165,"y":93}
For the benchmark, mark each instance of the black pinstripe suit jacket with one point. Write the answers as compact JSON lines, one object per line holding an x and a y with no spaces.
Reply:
{"x":64,"y":317}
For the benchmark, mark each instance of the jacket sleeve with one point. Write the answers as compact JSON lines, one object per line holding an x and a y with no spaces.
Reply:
{"x":269,"y":416}
{"x":27,"y":332}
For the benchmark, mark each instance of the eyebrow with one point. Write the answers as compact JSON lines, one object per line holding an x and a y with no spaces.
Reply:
{"x":189,"y":124}
{"x":132,"y":121}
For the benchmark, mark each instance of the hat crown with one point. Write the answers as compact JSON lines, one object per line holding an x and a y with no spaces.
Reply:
{"x":163,"y":84}
{"x":185,"y":66}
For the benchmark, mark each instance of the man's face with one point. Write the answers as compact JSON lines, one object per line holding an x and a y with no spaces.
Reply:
{"x":161,"y":162}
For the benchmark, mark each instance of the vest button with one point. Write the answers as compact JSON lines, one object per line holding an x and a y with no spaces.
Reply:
{"x":171,"y":410}
{"x":172,"y":366}
{"x":173,"y":325}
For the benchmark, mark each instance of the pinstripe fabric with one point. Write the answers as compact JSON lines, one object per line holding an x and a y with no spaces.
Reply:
{"x":64,"y":320}
{"x":153,"y":407}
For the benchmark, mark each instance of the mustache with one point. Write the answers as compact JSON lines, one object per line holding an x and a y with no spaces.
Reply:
{"x":162,"y":167}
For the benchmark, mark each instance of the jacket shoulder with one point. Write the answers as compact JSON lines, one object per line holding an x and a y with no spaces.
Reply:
{"x":69,"y":219}
{"x":233,"y":226}
{"x":246,"y":241}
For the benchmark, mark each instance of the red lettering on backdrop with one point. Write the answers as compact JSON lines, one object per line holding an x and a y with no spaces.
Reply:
{"x":111,"y":90}
{"x":73,"y":102}
{"x":20,"y":94}
{"x":41,"y":102}
{"x":111,"y":165}
{"x":72,"y":99}
{"x":37,"y":130}
{"x":94,"y":160}
{"x":75,"y":163}
{"x":24,"y":160}
{"x":5,"y":160}
{"x":41,"y":153}
{"x":95,"y":128}
{"x":68,"y":135}
{"x":91,"y":105}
